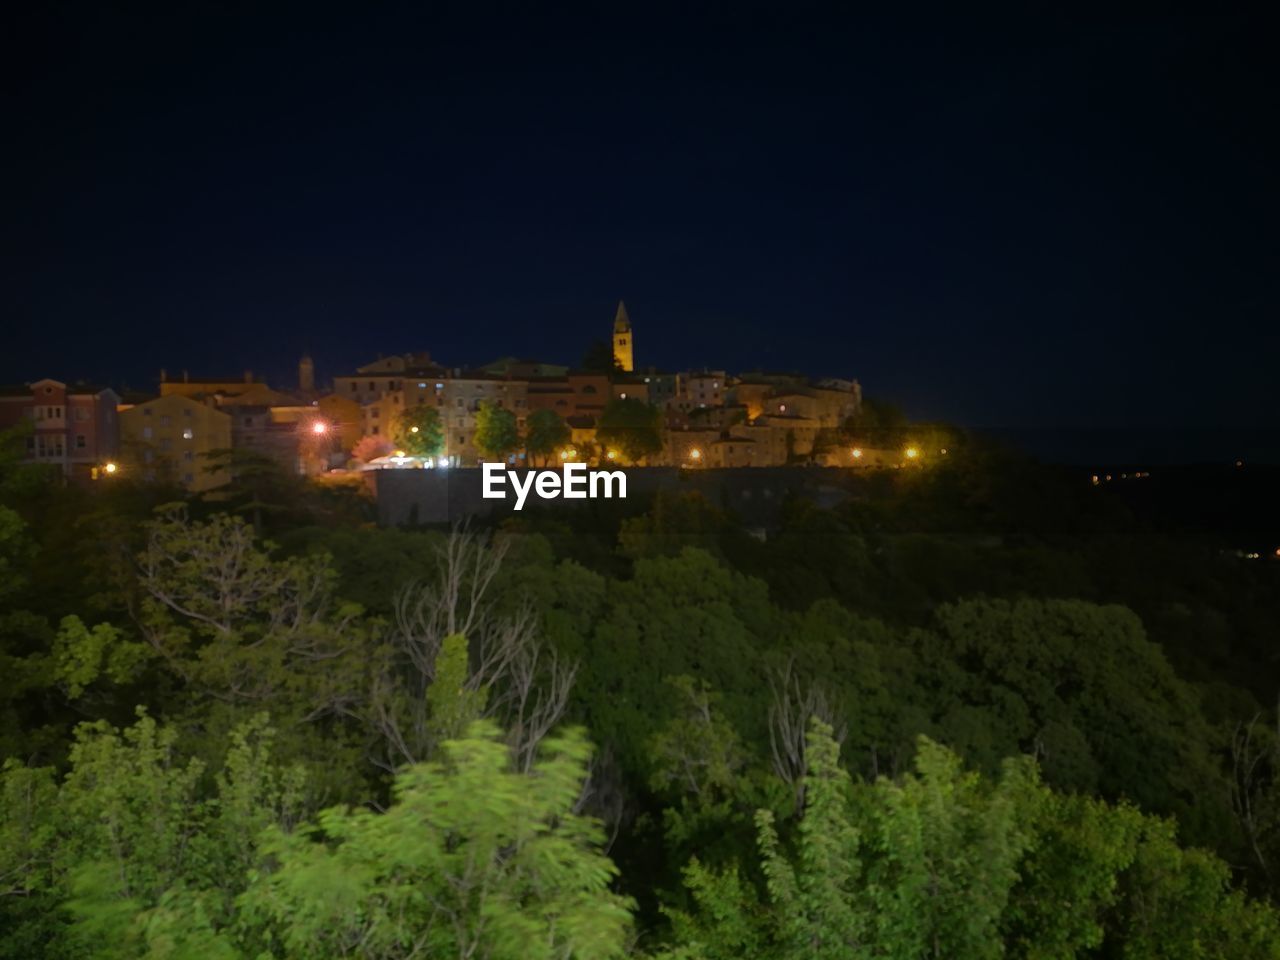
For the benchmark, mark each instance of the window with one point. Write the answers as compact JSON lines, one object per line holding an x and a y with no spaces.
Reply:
{"x":188,"y":433}
{"x":462,"y":439}
{"x":146,"y":411}
{"x":374,"y":413}
{"x":187,"y":478}
{"x":146,"y":433}
{"x":460,"y":401}
{"x":165,"y":420}
{"x":187,"y":412}
{"x":166,"y":443}
{"x":374,"y":430}
{"x":80,"y":441}
{"x":188,"y":455}
{"x":354,"y":386}
{"x":439,"y":401}
{"x":371,"y":386}
{"x":248,"y":421}
{"x":147,"y":456}
{"x":422,"y":386}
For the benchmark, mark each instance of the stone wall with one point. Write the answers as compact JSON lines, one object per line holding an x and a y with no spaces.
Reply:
{"x":413,"y":497}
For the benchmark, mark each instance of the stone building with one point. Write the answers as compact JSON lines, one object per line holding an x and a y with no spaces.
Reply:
{"x":170,"y":439}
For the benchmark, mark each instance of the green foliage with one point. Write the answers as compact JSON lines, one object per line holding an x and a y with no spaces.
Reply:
{"x":547,"y":433}
{"x":133,"y":822}
{"x":81,"y":655}
{"x":631,"y":427}
{"x":949,"y":864}
{"x":419,"y":431}
{"x":472,"y":859}
{"x":451,"y":706}
{"x":496,"y":435}
{"x":1004,"y":611}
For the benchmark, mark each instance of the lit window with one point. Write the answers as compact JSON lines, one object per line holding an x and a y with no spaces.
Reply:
{"x":188,"y":433}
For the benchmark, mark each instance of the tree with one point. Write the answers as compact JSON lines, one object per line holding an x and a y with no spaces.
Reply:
{"x":259,"y":486}
{"x":599,"y":358}
{"x":472,"y":859}
{"x":130,"y":826}
{"x":419,"y":431}
{"x":497,"y":435}
{"x":632,"y":427}
{"x":547,"y":434}
{"x":370,"y":448}
{"x":947,"y":863}
{"x":511,"y":675}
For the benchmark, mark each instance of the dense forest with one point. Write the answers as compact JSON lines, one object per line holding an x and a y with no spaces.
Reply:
{"x":989,"y":709}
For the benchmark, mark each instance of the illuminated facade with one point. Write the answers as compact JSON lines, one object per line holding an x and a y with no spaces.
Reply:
{"x":73,"y":428}
{"x":170,"y":439}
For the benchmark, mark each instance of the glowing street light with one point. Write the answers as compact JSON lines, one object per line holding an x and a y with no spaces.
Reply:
{"x":912,"y":453}
{"x":695,"y":454}
{"x":857,"y":453}
{"x":110,"y":467}
{"x":319,"y":427}
{"x":413,"y":429}
{"x":611,"y":455}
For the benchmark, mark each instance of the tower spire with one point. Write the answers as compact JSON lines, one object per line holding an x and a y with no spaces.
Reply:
{"x":623,"y":345}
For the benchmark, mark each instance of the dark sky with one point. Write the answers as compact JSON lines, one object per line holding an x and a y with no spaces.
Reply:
{"x":1017,"y":220}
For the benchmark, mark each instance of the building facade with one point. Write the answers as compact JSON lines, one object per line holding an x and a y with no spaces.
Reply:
{"x":74,"y":428}
{"x":171,"y":438}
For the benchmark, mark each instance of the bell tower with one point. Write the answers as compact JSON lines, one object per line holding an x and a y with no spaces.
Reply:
{"x":623,"y":345}
{"x":306,"y":374}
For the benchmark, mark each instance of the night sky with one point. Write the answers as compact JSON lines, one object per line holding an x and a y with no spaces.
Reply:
{"x":1022,"y":220}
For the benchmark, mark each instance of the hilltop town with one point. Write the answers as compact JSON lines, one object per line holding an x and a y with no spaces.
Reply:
{"x":412,"y":411}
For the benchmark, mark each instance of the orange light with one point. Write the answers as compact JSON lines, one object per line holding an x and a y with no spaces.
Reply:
{"x":857,"y":453}
{"x":110,"y":467}
{"x":319,"y":427}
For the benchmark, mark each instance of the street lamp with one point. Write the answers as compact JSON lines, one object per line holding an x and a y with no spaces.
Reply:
{"x":110,"y":467}
{"x":912,"y":453}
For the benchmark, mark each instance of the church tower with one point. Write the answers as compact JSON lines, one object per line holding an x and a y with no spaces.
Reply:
{"x":306,"y":374}
{"x":622,"y":343}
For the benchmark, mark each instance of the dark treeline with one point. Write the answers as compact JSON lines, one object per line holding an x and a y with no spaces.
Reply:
{"x":990,"y":709}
